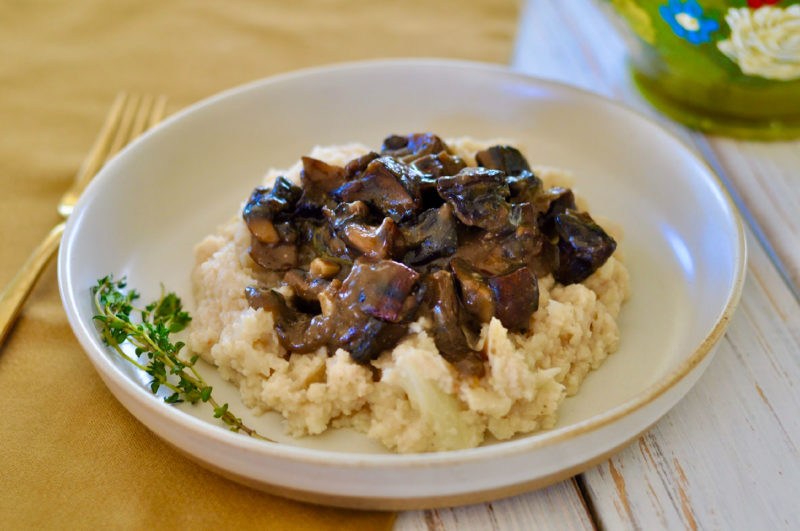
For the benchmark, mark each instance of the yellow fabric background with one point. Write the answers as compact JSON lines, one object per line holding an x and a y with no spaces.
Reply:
{"x":70,"y":455}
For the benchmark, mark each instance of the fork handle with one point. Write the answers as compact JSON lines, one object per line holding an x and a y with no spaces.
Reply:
{"x":14,"y":296}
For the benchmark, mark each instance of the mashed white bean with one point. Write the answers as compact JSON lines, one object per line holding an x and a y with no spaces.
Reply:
{"x":421,"y":403}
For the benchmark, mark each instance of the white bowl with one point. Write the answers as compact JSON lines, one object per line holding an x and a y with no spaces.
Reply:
{"x":684,"y":247}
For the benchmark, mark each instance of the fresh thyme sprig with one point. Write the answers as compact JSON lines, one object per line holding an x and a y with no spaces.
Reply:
{"x":151,"y":337}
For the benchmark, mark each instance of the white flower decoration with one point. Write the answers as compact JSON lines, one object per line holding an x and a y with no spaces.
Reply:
{"x":764,"y":42}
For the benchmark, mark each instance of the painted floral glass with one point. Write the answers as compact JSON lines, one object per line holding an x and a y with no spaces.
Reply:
{"x":687,"y":21}
{"x":723,"y":66}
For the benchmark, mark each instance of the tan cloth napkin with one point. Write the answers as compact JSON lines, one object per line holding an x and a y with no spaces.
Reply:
{"x":70,"y":455}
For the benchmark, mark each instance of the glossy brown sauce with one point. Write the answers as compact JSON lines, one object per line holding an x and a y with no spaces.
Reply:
{"x":414,"y":231}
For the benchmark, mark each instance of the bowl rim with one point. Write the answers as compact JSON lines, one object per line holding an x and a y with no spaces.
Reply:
{"x":200,"y":428}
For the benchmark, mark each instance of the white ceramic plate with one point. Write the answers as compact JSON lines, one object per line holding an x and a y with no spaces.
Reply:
{"x":684,"y":247}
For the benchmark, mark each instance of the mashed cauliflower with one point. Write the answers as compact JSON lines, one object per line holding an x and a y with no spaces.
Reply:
{"x":420,"y":402}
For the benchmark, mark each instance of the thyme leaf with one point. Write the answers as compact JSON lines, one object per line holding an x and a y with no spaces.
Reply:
{"x":149,"y":334}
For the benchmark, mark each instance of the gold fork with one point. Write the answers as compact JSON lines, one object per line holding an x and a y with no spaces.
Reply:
{"x":129,"y":117}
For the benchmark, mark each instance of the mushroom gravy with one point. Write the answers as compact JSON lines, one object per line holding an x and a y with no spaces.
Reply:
{"x":414,"y":231}
{"x":499,"y":372}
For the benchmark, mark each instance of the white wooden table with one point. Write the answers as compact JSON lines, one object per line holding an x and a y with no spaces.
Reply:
{"x":728,"y":456}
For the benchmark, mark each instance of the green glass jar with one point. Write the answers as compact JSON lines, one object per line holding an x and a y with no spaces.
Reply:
{"x":728,"y":67}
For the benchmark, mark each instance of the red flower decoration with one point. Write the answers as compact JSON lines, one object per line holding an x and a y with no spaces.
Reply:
{"x":755,"y":4}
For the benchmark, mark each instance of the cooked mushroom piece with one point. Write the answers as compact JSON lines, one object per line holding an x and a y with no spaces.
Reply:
{"x":476,"y":296}
{"x":356,"y":166}
{"x":380,"y":288}
{"x":393,"y":143}
{"x":521,"y":243}
{"x":322,"y":268}
{"x":447,"y":332}
{"x":267,"y":299}
{"x":516,"y":298}
{"x":432,"y":236}
{"x":528,"y":245}
{"x":318,"y":179}
{"x":306,"y":289}
{"x":411,"y":147}
{"x":387,"y":186}
{"x":545,"y":260}
{"x":583,"y":246}
{"x":507,"y":159}
{"x":350,"y":223}
{"x":320,"y":175}
{"x":427,"y":190}
{"x":319,"y":240}
{"x":522,"y":215}
{"x":431,"y":167}
{"x":550,"y":202}
{"x":275,"y":257}
{"x":366,"y":337}
{"x":297,"y":331}
{"x":285,"y":194}
{"x":438,"y":164}
{"x":263,"y":230}
{"x":346,"y":213}
{"x":483,"y":251}
{"x":373,"y":306}
{"x":524,"y":187}
{"x":266,"y":205}
{"x":374,"y":242}
{"x":478,"y":197}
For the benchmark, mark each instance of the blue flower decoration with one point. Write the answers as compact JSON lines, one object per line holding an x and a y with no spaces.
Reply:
{"x":687,"y":21}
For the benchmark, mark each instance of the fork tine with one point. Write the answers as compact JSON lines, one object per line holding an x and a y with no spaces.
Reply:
{"x":159,"y":109}
{"x":121,"y":122}
{"x":140,"y":120}
{"x":94,"y":160}
{"x":122,"y":125}
{"x":124,"y":130}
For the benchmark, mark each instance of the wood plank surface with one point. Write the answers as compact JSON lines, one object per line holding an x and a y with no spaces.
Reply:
{"x":727,"y":455}
{"x":767,"y":177}
{"x":557,"y":507}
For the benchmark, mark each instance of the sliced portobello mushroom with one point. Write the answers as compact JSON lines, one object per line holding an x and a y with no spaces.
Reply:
{"x":507,"y":159}
{"x":583,"y":246}
{"x":387,"y":186}
{"x":447,"y":332}
{"x":297,"y":331}
{"x":433,"y":236}
{"x":516,"y":298}
{"x":478,"y":197}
